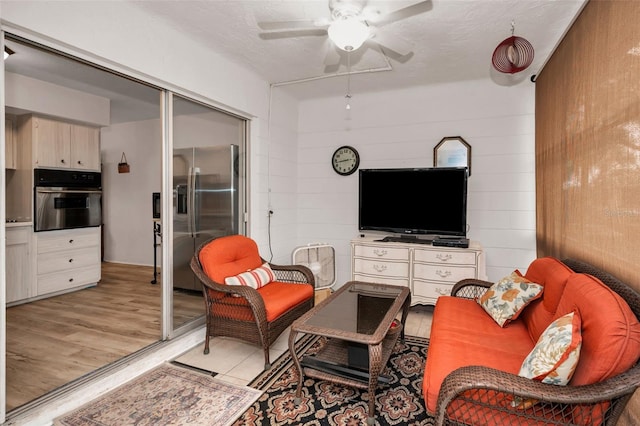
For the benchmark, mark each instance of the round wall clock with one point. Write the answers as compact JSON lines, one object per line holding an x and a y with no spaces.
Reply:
{"x":345,"y":160}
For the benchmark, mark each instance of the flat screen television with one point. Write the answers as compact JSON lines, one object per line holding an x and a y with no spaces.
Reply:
{"x":427,"y":201}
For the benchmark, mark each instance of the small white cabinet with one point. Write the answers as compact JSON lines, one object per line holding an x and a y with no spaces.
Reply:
{"x":67,"y":259}
{"x":18,"y":262}
{"x":428,"y":271}
{"x":62,"y":145}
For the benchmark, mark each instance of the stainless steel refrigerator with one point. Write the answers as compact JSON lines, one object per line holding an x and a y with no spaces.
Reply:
{"x":205,"y":204}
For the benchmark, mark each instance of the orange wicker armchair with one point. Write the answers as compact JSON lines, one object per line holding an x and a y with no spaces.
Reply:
{"x":257,"y":316}
{"x":472,"y":395}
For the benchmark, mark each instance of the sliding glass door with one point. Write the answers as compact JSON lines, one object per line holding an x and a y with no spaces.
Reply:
{"x":136,"y":302}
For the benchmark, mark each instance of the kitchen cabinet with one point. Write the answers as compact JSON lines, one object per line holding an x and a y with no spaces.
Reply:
{"x":64,"y":145}
{"x":67,"y":260}
{"x":10,"y":147}
{"x":19,"y":277}
{"x":428,"y":271}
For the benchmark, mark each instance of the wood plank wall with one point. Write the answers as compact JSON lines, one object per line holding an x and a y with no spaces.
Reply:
{"x":588,"y":146}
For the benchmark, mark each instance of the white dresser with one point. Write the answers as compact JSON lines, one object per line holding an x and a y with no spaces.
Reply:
{"x":428,"y":271}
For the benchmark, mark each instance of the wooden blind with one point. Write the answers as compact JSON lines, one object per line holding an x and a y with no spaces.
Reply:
{"x":588,"y":142}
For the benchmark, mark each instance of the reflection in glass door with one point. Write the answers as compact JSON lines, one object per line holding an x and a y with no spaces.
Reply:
{"x":206,"y":193}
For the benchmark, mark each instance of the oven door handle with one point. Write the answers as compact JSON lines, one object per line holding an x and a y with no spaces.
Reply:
{"x":69,"y":191}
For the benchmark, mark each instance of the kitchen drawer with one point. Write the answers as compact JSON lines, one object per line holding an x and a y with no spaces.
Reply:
{"x":68,"y":239}
{"x":67,"y":260}
{"x":431,"y":290}
{"x":446,"y":273}
{"x":402,"y":282}
{"x":445,"y":256}
{"x":378,"y":252}
{"x":380,"y":268}
{"x":64,"y":280}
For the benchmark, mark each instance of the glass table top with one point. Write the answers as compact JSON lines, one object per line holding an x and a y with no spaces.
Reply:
{"x":358,"y":308}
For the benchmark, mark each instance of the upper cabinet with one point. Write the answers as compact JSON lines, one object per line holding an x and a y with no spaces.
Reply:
{"x":11,"y":153}
{"x":64,"y":145}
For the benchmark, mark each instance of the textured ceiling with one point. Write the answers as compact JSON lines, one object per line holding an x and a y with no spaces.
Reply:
{"x":449,"y":40}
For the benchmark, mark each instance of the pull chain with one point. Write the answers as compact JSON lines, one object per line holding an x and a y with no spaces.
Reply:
{"x":348,"y":95}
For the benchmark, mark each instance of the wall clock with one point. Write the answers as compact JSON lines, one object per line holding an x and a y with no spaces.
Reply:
{"x":345,"y":160}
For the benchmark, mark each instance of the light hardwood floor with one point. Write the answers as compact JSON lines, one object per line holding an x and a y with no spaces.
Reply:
{"x":54,"y":341}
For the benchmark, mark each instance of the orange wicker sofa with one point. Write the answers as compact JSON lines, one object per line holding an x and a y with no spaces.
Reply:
{"x":256,"y":315}
{"x":472,"y":370}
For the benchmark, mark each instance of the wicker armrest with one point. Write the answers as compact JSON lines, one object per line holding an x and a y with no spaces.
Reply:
{"x":299,"y":274}
{"x":485,"y":386}
{"x":470,"y":288}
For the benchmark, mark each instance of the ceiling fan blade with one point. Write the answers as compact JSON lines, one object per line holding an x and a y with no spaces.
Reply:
{"x":306,"y":32}
{"x":391,"y":42}
{"x":405,"y":12}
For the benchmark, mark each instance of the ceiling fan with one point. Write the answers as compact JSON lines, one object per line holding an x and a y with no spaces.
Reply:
{"x":352,"y":24}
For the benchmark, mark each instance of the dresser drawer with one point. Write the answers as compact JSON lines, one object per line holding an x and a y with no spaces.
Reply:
{"x":378,"y":252}
{"x":445,"y":256}
{"x":52,"y":241}
{"x":67,"y":260}
{"x":431,"y":290}
{"x":64,"y":280}
{"x":402,"y":282}
{"x":446,"y":273}
{"x":380,"y":268}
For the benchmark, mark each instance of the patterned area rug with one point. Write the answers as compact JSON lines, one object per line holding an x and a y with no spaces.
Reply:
{"x":323,"y":403}
{"x":167,"y":395}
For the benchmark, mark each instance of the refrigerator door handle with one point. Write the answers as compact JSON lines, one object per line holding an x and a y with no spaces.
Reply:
{"x":190,"y":203}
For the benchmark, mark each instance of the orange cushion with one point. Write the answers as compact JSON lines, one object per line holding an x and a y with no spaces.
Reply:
{"x":229,"y":256}
{"x":610,"y":330}
{"x":552,"y":274}
{"x":457,"y":320}
{"x":278,"y":298}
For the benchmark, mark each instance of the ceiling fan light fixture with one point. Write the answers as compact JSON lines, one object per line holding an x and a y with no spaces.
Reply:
{"x":348,"y":33}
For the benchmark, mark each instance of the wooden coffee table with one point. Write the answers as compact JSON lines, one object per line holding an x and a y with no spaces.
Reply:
{"x":358,"y":322}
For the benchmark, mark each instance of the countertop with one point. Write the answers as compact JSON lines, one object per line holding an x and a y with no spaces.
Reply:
{"x":17,"y":224}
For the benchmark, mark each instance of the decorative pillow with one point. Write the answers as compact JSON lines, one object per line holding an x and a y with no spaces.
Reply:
{"x":256,"y":278}
{"x":505,"y":299}
{"x":555,"y":357}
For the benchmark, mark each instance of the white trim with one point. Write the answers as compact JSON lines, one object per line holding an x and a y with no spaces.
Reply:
{"x":3,"y":268}
{"x":166,"y":113}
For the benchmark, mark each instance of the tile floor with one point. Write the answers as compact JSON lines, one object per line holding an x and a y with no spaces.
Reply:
{"x":239,"y":363}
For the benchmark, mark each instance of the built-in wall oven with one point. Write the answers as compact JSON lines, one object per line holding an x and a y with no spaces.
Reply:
{"x":65,"y":199}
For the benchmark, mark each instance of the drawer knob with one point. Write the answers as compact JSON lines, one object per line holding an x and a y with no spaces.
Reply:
{"x":62,"y":161}
{"x":79,"y":162}
{"x":443,"y":257}
{"x":380,"y":268}
{"x":441,"y":291}
{"x":70,"y":280}
{"x":70,"y":241}
{"x":380,"y":252}
{"x":443,"y":274}
{"x":70,"y":260}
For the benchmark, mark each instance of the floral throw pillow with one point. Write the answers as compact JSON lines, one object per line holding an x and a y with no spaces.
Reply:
{"x":555,"y":357}
{"x":255,"y":278}
{"x":505,"y":299}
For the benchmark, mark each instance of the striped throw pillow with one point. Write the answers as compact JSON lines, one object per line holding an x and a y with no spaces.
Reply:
{"x":256,"y":278}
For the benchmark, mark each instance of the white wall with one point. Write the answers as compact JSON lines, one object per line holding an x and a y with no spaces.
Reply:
{"x":39,"y":97}
{"x":400,"y":129}
{"x":127,"y":209}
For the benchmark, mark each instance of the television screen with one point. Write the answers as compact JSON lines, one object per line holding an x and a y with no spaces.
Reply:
{"x":430,"y":201}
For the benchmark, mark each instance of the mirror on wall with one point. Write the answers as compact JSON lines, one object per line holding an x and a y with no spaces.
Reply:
{"x":452,"y":151}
